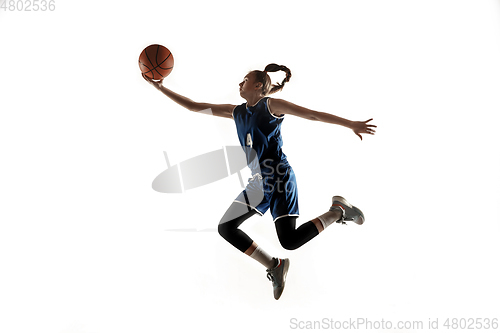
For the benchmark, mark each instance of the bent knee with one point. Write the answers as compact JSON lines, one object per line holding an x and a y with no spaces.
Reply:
{"x":289,"y":244}
{"x":223,"y":230}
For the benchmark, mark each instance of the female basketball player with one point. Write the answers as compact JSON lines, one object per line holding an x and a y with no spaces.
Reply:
{"x":273,"y":185}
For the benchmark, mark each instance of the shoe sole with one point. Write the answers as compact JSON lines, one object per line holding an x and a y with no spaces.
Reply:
{"x":286,"y":264}
{"x":358,"y":211}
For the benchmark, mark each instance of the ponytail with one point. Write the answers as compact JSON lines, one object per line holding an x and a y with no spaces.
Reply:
{"x":263,"y":77}
{"x":276,"y":68}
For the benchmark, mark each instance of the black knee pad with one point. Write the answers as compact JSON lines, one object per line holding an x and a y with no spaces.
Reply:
{"x":289,"y":243}
{"x":224,"y":230}
{"x":228,"y":229}
{"x":290,"y":237}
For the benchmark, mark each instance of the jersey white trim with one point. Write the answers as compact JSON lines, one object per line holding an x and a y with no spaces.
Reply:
{"x":269,"y":109}
{"x":232,"y":113}
{"x":284,"y":216}
{"x":246,"y":104}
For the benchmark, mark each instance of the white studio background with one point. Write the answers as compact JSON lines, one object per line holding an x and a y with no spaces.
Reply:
{"x":84,"y":246}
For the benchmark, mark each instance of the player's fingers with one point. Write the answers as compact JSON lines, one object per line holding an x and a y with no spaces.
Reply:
{"x":369,"y":131}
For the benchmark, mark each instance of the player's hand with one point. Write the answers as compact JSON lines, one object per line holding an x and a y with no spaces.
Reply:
{"x":362,"y":127}
{"x":155,"y":83}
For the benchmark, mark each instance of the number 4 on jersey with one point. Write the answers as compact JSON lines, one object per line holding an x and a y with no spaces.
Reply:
{"x":249,"y":140}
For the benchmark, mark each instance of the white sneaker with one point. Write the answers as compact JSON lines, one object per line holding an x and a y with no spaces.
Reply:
{"x":278,"y":276}
{"x":350,"y":212}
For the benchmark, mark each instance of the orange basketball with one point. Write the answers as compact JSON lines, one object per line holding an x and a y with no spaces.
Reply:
{"x":156,"y":61}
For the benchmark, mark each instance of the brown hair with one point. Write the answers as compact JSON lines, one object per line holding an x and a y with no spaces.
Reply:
{"x":263,"y":77}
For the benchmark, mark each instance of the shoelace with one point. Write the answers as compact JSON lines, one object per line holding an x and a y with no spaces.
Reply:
{"x":270,"y":277}
{"x":254,"y":176}
{"x":341,"y":220}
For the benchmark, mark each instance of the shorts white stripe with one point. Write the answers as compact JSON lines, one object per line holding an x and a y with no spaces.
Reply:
{"x":244,"y":203}
{"x":284,"y":216}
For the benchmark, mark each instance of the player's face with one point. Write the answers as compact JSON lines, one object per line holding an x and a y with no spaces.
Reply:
{"x":248,"y":85}
{"x":244,"y":84}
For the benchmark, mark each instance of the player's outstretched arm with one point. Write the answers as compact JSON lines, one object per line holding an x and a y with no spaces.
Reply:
{"x":280,"y":106}
{"x":220,"y":110}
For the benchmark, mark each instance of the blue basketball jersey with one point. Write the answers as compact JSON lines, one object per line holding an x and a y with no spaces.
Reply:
{"x":259,"y":132}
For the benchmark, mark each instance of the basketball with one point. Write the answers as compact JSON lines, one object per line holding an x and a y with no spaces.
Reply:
{"x":156,"y":61}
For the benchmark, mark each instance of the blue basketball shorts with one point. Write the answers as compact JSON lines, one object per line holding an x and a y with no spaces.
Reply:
{"x":275,"y":187}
